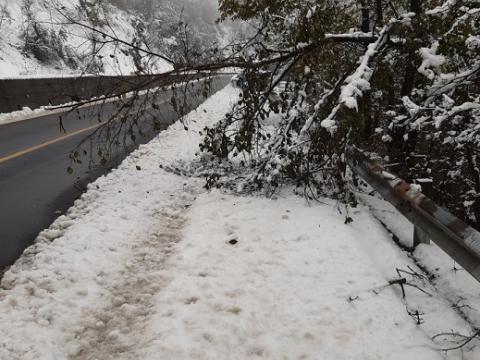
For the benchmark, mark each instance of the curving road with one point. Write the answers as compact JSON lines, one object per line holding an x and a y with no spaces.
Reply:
{"x":35,"y":186}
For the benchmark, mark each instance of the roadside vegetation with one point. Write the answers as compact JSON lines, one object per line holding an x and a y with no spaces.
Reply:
{"x":398,"y":79}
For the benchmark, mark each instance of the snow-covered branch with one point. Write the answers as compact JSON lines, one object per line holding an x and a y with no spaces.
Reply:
{"x":357,"y":83}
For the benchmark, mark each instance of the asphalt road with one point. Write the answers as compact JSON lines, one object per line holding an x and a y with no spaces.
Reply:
{"x":35,"y":186}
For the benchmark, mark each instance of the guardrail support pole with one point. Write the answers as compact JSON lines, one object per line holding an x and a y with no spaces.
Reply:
{"x":419,"y":237}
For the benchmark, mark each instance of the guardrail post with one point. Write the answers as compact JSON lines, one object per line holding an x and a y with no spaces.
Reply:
{"x":419,"y":237}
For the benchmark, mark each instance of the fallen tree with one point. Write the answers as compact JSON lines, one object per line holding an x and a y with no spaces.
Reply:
{"x":397,"y":78}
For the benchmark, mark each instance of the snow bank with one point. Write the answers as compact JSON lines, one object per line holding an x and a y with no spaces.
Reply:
{"x":256,"y":278}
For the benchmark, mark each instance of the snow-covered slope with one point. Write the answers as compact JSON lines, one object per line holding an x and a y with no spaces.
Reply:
{"x":36,"y":39}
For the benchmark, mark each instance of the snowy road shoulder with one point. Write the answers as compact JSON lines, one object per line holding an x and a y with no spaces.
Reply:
{"x":257,"y":278}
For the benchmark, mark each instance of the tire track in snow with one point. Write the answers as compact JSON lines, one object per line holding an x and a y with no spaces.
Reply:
{"x":116,"y":332}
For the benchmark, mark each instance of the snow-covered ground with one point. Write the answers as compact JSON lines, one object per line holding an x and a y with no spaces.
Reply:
{"x":455,"y":284}
{"x":149,"y":265}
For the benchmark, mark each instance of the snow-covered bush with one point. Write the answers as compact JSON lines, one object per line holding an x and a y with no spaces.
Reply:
{"x":399,"y":78}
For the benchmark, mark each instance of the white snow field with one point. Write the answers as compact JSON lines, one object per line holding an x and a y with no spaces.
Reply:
{"x":149,"y":265}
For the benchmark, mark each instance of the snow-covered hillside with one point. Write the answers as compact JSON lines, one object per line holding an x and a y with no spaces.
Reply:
{"x":181,"y":22}
{"x":36,"y":39}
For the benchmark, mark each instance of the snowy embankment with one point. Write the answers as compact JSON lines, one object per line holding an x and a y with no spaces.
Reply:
{"x":148,"y":265}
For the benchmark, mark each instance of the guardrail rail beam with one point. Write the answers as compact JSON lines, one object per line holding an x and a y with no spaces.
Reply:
{"x":459,"y":240}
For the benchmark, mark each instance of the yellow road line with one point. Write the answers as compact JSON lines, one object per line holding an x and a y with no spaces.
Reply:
{"x":47,"y":143}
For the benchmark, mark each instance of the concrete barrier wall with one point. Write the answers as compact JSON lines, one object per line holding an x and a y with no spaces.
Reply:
{"x":35,"y":187}
{"x":16,"y":94}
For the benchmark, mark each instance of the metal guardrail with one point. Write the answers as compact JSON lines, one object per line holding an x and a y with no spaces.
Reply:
{"x":459,"y":240}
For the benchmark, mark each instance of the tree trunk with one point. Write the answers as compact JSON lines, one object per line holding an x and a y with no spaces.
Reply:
{"x":415,"y":6}
{"x":365,"y":16}
{"x":402,"y":147}
{"x":411,"y":69}
{"x":379,"y":11}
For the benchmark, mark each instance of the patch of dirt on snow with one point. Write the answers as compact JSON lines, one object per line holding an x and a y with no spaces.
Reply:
{"x":116,"y":332}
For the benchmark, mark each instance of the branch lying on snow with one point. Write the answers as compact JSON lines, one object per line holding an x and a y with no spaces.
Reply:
{"x":402,"y":281}
{"x":462,"y":342}
{"x":417,"y":316}
{"x":415,"y":275}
